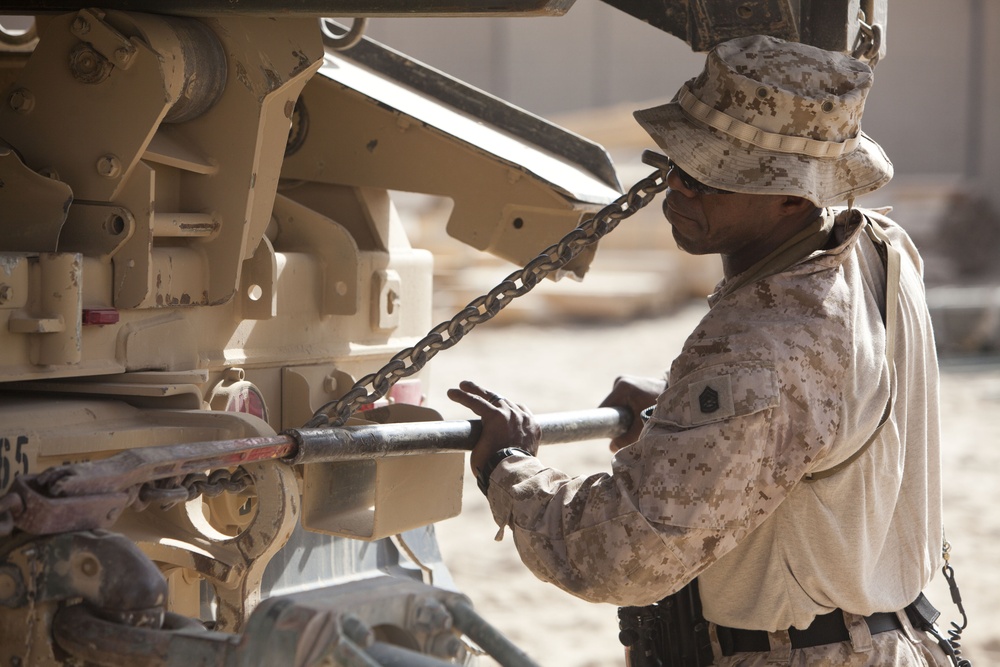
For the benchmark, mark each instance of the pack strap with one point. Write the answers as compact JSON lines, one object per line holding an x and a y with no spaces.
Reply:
{"x":891,"y":259}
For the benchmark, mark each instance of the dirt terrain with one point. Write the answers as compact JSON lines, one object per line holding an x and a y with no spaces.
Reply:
{"x":572,"y":366}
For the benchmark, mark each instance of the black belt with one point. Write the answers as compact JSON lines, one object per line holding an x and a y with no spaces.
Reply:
{"x":825,"y":629}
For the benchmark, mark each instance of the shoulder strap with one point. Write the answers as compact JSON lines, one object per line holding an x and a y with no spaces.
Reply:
{"x":808,"y":240}
{"x":891,"y":259}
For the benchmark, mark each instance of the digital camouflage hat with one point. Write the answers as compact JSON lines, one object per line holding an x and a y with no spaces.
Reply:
{"x":768,"y":116}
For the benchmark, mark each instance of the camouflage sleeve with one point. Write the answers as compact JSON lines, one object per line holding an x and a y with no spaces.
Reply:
{"x":706,"y":471}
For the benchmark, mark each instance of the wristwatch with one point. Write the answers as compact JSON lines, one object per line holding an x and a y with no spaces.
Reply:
{"x":483,"y":478}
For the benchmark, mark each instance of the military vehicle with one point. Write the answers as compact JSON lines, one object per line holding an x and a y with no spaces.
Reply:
{"x":202,"y":271}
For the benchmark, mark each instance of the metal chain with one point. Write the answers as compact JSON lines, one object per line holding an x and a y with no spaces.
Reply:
{"x":172,"y":491}
{"x":447,"y":334}
{"x":868,"y":42}
{"x":165,"y":493}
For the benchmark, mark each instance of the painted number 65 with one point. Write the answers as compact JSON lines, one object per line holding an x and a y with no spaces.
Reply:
{"x":13,"y":459}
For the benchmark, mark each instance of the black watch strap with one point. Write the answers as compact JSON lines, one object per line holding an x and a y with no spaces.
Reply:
{"x":483,"y":478}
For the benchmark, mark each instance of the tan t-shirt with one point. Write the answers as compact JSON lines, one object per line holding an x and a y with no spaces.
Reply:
{"x":784,"y":376}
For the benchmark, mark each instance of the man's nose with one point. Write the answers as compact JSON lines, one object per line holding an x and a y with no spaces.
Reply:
{"x":675,"y":183}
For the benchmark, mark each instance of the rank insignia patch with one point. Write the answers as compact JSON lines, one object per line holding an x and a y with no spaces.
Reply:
{"x":708,"y":400}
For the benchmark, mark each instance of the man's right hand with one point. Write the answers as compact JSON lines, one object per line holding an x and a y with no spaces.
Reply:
{"x":636,"y":394}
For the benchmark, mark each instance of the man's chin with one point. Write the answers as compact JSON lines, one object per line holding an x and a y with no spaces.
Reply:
{"x":687,"y":245}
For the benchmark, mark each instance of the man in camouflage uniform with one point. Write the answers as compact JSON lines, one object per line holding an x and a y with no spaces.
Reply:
{"x":791,"y":462}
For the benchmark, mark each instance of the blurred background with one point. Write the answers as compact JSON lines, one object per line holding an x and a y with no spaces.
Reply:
{"x":933,"y":110}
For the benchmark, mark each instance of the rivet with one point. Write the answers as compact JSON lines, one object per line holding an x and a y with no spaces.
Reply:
{"x":89,"y":566}
{"x":762,"y":92}
{"x":109,"y":166}
{"x":827,"y":106}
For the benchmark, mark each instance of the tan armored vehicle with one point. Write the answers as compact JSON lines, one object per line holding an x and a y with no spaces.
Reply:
{"x":210,"y":442}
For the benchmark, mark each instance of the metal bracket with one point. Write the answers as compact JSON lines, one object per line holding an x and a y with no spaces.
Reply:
{"x":89,"y":26}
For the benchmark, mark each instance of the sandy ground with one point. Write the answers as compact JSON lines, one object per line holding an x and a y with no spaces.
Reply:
{"x":569,"y":367}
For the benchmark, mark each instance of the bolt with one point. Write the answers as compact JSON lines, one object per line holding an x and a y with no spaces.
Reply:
{"x":109,"y":166}
{"x":21,"y":100}
{"x":123,"y":55}
{"x":6,"y":292}
{"x":87,"y":65}
{"x":80,"y":26}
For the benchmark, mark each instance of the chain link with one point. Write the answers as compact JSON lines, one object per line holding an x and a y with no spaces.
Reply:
{"x":165,"y":493}
{"x":447,"y":334}
{"x":868,"y":43}
{"x":171,"y":491}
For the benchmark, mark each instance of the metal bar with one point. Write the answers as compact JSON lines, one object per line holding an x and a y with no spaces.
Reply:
{"x":491,"y":640}
{"x":380,"y":440}
{"x":126,"y":469}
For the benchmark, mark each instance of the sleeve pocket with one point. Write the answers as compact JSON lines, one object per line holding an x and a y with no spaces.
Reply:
{"x":703,"y":446}
{"x":716,"y":393}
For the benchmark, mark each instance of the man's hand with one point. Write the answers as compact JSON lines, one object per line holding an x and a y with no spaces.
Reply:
{"x":636,"y":394}
{"x":505,"y":424}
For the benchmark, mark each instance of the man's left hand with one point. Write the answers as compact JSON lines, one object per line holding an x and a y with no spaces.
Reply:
{"x":505,"y":423}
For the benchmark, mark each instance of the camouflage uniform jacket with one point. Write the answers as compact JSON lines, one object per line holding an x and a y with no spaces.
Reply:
{"x":784,"y":376}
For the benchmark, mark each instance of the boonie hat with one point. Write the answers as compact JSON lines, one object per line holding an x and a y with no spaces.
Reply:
{"x":768,"y":116}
